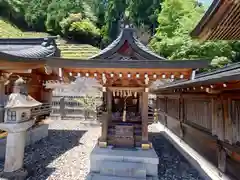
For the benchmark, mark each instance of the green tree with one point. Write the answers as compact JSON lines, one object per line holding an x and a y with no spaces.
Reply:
{"x":59,"y":9}
{"x":13,"y":10}
{"x":36,"y":14}
{"x":113,"y":15}
{"x":144,"y":13}
{"x":173,"y":41}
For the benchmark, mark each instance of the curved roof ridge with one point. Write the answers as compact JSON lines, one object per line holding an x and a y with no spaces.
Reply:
{"x":110,"y":46}
{"x":27,"y":48}
{"x":127,"y":34}
{"x":30,"y":41}
{"x":146,"y":49}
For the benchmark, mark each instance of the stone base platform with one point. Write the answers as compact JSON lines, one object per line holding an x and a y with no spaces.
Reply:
{"x":123,"y":163}
{"x":95,"y":176}
{"x":33,"y":135}
{"x":17,"y":175}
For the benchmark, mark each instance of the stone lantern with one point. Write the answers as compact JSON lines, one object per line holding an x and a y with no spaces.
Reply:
{"x":17,"y":120}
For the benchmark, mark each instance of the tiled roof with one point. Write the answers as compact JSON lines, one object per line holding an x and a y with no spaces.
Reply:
{"x":220,"y":22}
{"x":229,"y":73}
{"x":128,"y":34}
{"x":27,"y":48}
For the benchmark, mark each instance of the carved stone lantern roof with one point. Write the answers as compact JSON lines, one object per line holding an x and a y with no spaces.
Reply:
{"x":17,"y":100}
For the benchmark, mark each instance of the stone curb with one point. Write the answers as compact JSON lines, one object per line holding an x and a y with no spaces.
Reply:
{"x":206,"y":169}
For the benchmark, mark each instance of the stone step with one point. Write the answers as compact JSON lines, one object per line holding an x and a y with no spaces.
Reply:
{"x":123,"y":169}
{"x":102,"y":177}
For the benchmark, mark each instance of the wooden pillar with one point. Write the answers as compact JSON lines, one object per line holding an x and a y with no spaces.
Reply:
{"x":2,"y":99}
{"x":158,"y":109}
{"x":46,"y":95}
{"x":228,"y":123}
{"x":105,"y":120}
{"x":235,"y":121}
{"x":140,"y":102}
{"x":214,"y":117}
{"x":219,"y":118}
{"x":181,"y":115}
{"x":165,"y":112}
{"x":144,"y":112}
{"x":109,"y":104}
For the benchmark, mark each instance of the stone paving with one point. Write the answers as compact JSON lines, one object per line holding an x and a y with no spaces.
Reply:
{"x":64,"y":155}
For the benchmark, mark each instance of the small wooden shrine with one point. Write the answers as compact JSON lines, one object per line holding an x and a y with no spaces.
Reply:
{"x":126,"y":69}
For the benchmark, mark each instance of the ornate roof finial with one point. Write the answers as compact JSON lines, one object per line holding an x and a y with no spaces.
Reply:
{"x":125,"y":20}
{"x":19,"y":81}
{"x":19,"y":85}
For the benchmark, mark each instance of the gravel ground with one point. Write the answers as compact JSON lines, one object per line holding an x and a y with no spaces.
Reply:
{"x":64,"y":155}
{"x":172,"y":165}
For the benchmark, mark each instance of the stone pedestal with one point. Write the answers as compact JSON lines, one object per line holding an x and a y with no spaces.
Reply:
{"x":128,"y":163}
{"x":14,"y":155}
{"x":33,"y":135}
{"x":14,"y":151}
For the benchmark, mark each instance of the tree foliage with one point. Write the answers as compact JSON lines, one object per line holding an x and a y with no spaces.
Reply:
{"x":172,"y":40}
{"x":97,"y":22}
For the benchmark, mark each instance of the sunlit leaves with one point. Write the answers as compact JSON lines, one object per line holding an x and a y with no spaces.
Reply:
{"x":172,"y":40}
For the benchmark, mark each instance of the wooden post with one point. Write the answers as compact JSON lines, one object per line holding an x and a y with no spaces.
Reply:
{"x":219,"y":114}
{"x":220,"y":118}
{"x":181,"y":115}
{"x":46,"y":95}
{"x":2,"y":96}
{"x":165,"y":112}
{"x":140,"y":102}
{"x":228,"y":124}
{"x":214,"y":117}
{"x":235,"y":121}
{"x":158,"y":108}
{"x":145,"y":143}
{"x":106,"y":119}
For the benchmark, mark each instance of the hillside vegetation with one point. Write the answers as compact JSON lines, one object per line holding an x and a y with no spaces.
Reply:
{"x":9,"y":30}
{"x":75,"y":51}
{"x":97,"y":22}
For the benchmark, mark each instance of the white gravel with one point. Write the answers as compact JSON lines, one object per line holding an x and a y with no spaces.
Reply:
{"x":64,"y":155}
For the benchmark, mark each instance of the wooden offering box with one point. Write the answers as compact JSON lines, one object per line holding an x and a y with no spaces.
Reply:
{"x":124,"y":135}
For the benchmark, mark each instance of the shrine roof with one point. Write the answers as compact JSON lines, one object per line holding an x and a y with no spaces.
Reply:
{"x":222,"y":75}
{"x":27,"y":48}
{"x":128,"y":39}
{"x":151,"y":64}
{"x":221,"y":21}
{"x":126,"y":52}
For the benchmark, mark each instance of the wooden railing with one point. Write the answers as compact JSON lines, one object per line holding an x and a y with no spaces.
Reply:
{"x":43,"y":110}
